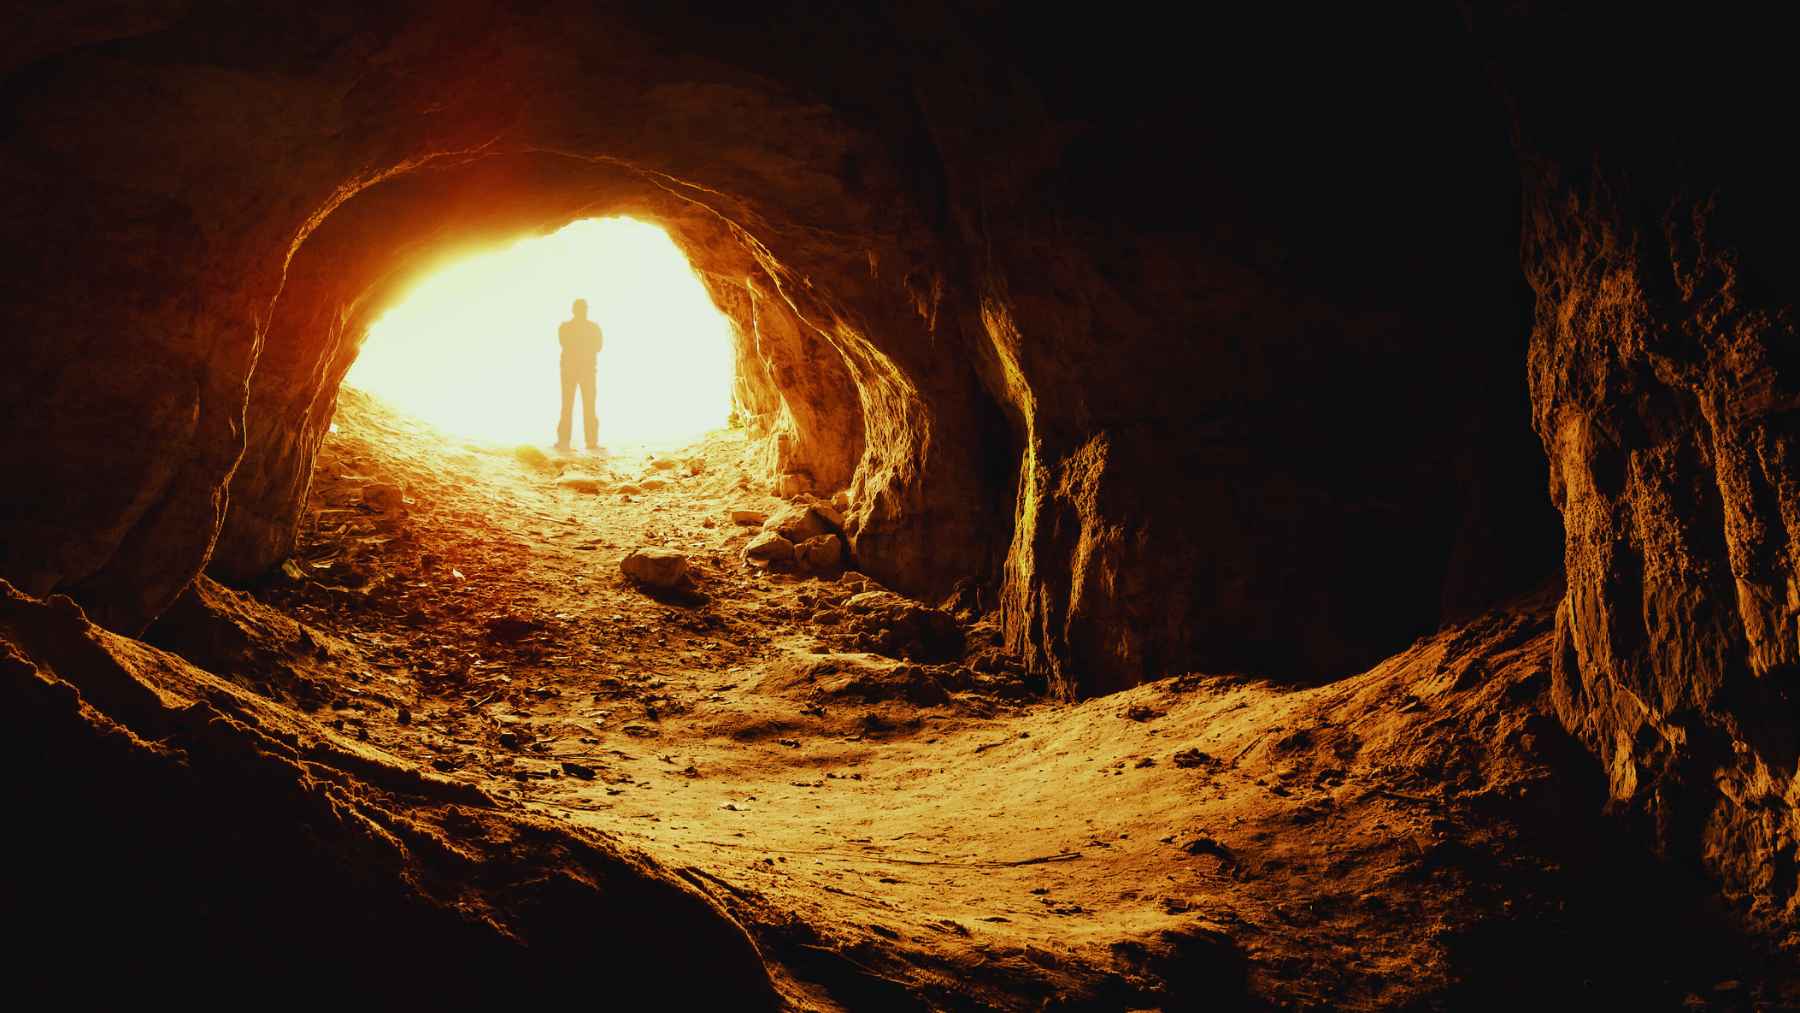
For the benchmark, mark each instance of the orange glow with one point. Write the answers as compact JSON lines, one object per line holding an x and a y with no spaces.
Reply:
{"x":473,"y":349}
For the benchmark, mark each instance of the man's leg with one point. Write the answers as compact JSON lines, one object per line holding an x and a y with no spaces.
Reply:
{"x":568,"y":406}
{"x":590,"y":419}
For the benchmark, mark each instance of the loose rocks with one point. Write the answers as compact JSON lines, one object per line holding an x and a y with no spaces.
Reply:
{"x":798,"y":522}
{"x":769,"y":549}
{"x":654,"y":567}
{"x":383,"y":496}
{"x":749,"y":518}
{"x":822,"y":553}
{"x":579,"y":483}
{"x":900,"y":628}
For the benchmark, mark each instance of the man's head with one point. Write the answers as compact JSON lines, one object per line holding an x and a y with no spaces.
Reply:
{"x":579,"y":309}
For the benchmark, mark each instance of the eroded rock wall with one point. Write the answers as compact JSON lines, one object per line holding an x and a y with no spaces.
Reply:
{"x":1659,"y":240}
{"x":1168,"y":371}
{"x":1255,"y":320}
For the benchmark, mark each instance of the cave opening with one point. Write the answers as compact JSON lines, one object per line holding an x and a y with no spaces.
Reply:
{"x":473,"y":348}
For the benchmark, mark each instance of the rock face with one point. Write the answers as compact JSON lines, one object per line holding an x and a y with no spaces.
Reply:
{"x":1664,"y":387}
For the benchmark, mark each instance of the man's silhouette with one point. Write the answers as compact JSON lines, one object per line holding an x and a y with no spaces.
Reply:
{"x":581,"y":343}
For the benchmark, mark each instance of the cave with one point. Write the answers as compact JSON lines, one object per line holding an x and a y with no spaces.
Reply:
{"x":1287,"y":510}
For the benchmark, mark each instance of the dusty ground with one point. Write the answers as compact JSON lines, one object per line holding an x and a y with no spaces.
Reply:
{"x":897,"y":834}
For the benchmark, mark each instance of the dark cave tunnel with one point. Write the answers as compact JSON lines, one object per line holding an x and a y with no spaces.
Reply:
{"x":1258,"y":351}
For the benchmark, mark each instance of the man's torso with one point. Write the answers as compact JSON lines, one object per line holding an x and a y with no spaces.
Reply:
{"x":580,"y":343}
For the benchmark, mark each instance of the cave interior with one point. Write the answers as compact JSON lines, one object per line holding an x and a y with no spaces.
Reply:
{"x":1276,"y":510}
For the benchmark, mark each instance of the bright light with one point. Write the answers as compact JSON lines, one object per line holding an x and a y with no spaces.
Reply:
{"x":473,"y":349}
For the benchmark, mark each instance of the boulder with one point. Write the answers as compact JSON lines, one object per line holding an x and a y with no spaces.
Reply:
{"x":769,"y":549}
{"x":798,"y":522}
{"x":656,"y":567}
{"x":749,"y":518}
{"x":822,"y":553}
{"x":831,"y":515}
{"x":902,"y":628}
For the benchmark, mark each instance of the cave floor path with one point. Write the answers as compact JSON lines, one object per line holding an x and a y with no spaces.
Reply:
{"x":984,"y":851}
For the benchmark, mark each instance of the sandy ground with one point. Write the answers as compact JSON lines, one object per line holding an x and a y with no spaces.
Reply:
{"x":898,"y":835}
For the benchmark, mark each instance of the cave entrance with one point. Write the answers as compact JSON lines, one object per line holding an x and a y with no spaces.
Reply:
{"x":472,"y":349}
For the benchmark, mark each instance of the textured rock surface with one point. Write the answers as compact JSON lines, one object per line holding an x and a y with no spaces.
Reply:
{"x":664,"y":568}
{"x":769,"y":549}
{"x":131,"y":848}
{"x":953,"y":289}
{"x":826,"y":552}
{"x":1190,"y":381}
{"x":1665,"y":387}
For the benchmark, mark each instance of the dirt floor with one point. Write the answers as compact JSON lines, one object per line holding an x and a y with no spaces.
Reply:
{"x":907,"y":832}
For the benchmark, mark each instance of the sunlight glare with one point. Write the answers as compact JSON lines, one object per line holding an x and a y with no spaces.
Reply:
{"x":473,"y":349}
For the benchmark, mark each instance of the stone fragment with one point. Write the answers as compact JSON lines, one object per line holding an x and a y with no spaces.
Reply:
{"x":1188,"y":758}
{"x":831,"y":515}
{"x":383,"y":496}
{"x":749,"y":518}
{"x":822,"y":553}
{"x":798,"y":522}
{"x":663,"y":463}
{"x":653,"y":484}
{"x":531,"y":456}
{"x":696,"y":465}
{"x":840,"y":500}
{"x":579,"y":483}
{"x":902,"y":628}
{"x":656,"y":567}
{"x":768,"y":549}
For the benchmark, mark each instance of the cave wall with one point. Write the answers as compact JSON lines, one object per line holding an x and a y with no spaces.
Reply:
{"x":1168,"y":370}
{"x":1659,"y":239}
{"x":1197,"y":350}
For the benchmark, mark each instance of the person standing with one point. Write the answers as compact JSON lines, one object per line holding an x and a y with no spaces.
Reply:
{"x":581,"y":341}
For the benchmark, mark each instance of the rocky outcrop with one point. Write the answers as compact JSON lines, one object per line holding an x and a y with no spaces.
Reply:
{"x":1665,"y":390}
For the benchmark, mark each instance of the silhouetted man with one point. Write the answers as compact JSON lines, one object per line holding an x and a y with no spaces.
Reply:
{"x":581,"y":343}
